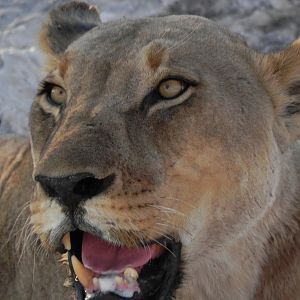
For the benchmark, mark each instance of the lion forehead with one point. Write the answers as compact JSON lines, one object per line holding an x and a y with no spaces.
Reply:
{"x":184,"y":37}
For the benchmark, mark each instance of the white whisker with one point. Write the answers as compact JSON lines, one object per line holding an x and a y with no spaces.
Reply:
{"x":164,"y":246}
{"x":12,"y":233}
{"x":172,"y":226}
{"x":167,"y":209}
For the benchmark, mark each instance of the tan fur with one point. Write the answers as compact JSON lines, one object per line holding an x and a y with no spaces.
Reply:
{"x":217,"y":168}
{"x":27,"y":272}
{"x":154,"y":54}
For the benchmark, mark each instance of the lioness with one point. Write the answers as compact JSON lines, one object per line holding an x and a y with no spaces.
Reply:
{"x":168,"y":149}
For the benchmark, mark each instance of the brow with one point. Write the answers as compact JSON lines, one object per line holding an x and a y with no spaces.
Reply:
{"x":154,"y":54}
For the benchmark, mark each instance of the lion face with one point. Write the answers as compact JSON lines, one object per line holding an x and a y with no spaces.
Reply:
{"x":149,"y":132}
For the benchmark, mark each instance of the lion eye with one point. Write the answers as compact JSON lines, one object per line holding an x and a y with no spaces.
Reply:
{"x":171,"y":88}
{"x":57,"y":95}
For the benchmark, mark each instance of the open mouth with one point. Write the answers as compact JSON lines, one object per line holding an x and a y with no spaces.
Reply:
{"x":110,"y":272}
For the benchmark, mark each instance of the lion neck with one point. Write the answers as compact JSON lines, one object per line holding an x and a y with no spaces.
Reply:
{"x":244,"y":269}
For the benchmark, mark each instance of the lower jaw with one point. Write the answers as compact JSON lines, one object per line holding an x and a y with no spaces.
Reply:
{"x":157,"y":280}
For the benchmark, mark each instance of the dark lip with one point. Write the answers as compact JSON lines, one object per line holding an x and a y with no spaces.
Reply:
{"x":158,"y":280}
{"x":74,"y":223}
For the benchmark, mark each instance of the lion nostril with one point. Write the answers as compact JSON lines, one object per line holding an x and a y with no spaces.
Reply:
{"x":46,"y":184}
{"x":50,"y":191}
{"x":90,"y":186}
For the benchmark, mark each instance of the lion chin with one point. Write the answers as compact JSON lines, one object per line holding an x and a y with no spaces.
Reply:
{"x":163,"y":163}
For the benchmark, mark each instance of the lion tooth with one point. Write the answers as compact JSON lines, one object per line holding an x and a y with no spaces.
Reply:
{"x":67,"y":241}
{"x":85,"y":276}
{"x":131,"y":274}
{"x":119,"y":280}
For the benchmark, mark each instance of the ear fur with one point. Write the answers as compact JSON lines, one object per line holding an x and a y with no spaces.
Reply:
{"x":65,"y":24}
{"x":281,"y":74}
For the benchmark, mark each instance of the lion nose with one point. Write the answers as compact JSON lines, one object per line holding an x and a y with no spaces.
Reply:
{"x":71,"y":190}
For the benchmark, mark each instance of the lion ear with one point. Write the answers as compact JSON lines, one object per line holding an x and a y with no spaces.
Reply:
{"x":281,"y":72}
{"x":65,"y":24}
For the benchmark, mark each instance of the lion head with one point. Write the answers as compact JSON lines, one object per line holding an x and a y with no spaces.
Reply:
{"x":156,"y":143}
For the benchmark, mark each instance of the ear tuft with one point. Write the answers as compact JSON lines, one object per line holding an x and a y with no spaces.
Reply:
{"x":65,"y":24}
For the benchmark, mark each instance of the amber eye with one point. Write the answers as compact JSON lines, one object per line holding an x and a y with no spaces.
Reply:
{"x":57,"y":95}
{"x":172,"y":88}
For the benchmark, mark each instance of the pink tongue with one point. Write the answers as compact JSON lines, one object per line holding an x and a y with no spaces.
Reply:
{"x":100,"y":256}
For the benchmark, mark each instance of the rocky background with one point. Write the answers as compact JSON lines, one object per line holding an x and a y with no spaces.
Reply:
{"x":267,"y":25}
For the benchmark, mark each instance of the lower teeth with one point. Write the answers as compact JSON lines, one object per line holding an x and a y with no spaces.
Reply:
{"x":124,"y":285}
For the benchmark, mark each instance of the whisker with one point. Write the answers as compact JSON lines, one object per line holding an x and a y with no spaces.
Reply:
{"x":33,"y":273}
{"x":21,"y":232}
{"x":186,"y":37}
{"x":179,"y":200}
{"x":136,"y":232}
{"x":11,"y":233}
{"x":160,"y":233}
{"x":167,"y":209}
{"x":24,"y":248}
{"x":172,"y":226}
{"x":164,"y":246}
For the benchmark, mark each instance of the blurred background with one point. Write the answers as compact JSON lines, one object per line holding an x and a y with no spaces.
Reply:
{"x":267,"y":25}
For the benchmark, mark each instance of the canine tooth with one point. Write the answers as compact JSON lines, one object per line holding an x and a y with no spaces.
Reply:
{"x":67,"y":241}
{"x":131,"y":274}
{"x":85,"y":276}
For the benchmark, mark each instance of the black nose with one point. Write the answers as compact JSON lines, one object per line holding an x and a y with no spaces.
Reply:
{"x":73,"y":189}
